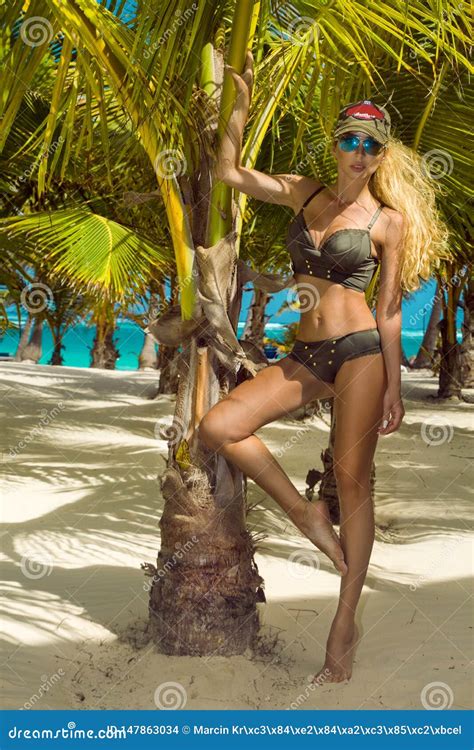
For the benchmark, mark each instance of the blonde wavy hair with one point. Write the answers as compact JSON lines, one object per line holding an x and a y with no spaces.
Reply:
{"x":402,"y":181}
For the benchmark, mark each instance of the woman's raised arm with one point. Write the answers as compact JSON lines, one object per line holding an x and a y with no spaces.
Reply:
{"x":284,"y":189}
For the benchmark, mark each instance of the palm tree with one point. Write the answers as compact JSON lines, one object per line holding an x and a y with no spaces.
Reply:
{"x":448,"y":105}
{"x":263,"y":249}
{"x":467,"y":366}
{"x":424,"y":358}
{"x":31,"y":353}
{"x":69,"y":309}
{"x":206,"y":585}
{"x":451,"y":376}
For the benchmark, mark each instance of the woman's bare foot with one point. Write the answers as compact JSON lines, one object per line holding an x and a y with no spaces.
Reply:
{"x":340,"y":650}
{"x":314,"y":521}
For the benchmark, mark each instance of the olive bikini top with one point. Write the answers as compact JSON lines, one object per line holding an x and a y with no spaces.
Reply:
{"x":344,"y":257}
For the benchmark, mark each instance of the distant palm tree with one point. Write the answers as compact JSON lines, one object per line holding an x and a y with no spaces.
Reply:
{"x":425,"y":355}
{"x":467,"y":365}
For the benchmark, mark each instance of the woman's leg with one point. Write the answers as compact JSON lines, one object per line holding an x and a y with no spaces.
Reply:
{"x":360,"y":386}
{"x":228,"y":428}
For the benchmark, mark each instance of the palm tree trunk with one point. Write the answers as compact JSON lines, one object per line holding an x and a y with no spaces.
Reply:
{"x":168,"y":366}
{"x":424,"y":358}
{"x":25,"y":334}
{"x":254,"y":330}
{"x":328,"y":487}
{"x":205,"y":601}
{"x":104,"y":352}
{"x":147,"y":359}
{"x":31,"y":354}
{"x":206,"y":585}
{"x":57,"y":356}
{"x":467,"y":346}
{"x":405,"y":360}
{"x":450,"y":379}
{"x":449,"y":374}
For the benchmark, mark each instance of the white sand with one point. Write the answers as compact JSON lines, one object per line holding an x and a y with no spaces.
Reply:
{"x":81,"y":507}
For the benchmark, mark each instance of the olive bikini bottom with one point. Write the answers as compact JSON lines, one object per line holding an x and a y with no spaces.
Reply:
{"x":326,"y":356}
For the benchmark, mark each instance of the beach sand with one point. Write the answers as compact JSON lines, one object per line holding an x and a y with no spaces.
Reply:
{"x":81,"y":505}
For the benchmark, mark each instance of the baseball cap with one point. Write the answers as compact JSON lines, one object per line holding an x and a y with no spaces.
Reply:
{"x":364,"y":116}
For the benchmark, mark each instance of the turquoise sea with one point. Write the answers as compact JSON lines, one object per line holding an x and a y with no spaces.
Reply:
{"x":78,"y":341}
{"x":129,"y":340}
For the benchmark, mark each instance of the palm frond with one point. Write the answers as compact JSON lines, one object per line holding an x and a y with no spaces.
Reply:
{"x":89,"y":250}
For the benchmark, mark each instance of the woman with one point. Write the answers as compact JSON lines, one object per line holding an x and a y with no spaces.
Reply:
{"x":340,"y":233}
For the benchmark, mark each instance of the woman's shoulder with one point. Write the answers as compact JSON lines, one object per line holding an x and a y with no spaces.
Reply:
{"x":389,"y":229}
{"x":390,"y":220}
{"x":394,"y":225}
{"x":392,"y":213}
{"x":303,"y":187}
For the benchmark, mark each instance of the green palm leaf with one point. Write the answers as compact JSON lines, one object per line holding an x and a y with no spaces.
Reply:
{"x":92,"y":251}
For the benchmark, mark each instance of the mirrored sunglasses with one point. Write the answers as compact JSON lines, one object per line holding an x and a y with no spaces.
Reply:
{"x":350,"y":141}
